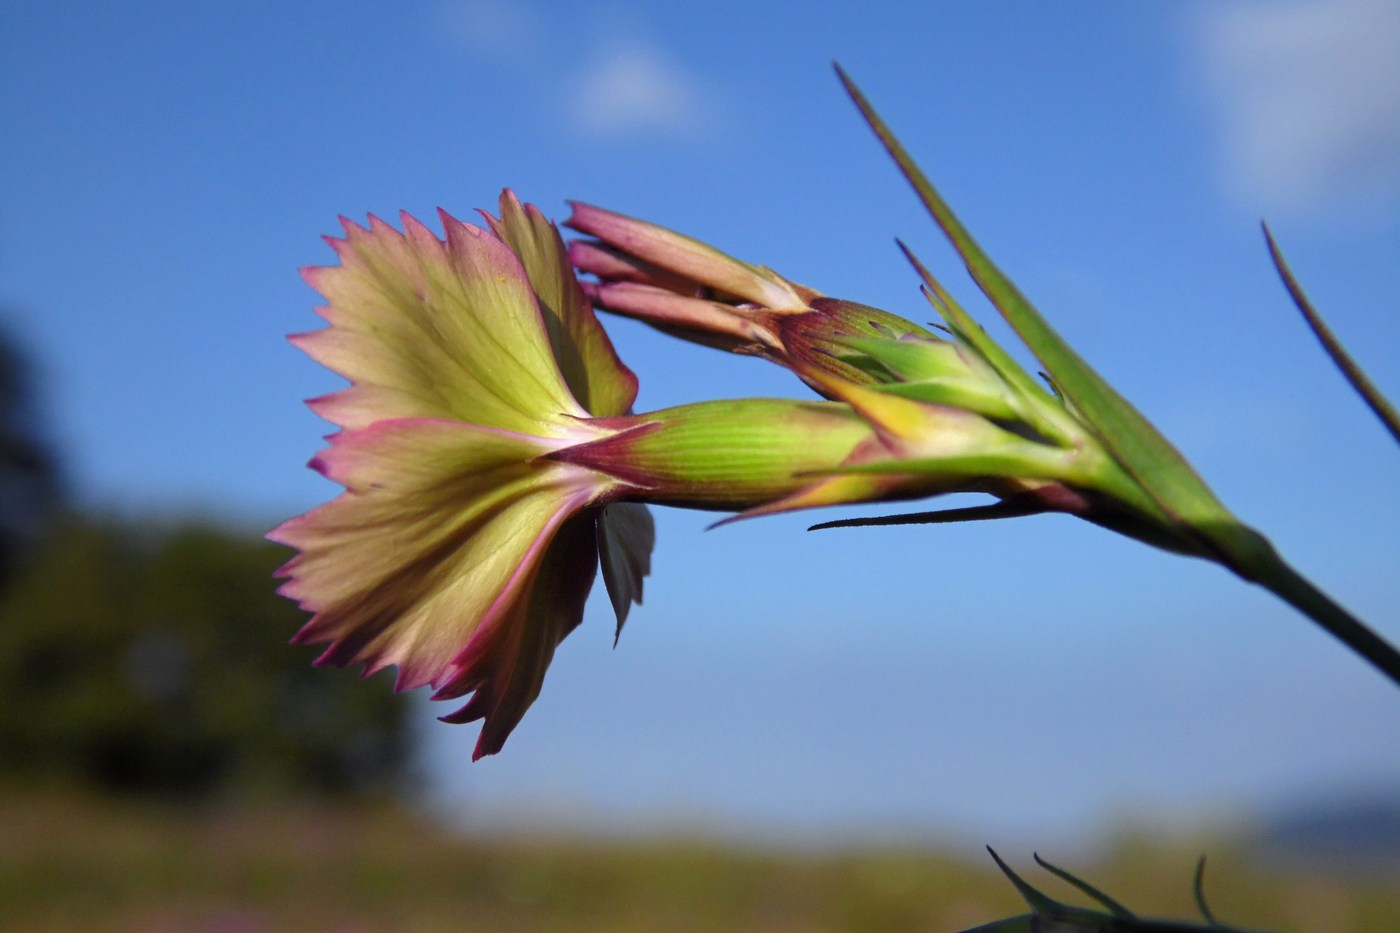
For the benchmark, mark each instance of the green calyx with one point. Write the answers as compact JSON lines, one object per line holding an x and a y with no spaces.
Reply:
{"x":723,"y":455}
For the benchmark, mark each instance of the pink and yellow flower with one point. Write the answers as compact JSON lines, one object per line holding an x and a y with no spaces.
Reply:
{"x":491,"y":463}
{"x":458,"y":553}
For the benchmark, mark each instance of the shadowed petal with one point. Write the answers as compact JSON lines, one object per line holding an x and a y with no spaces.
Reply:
{"x":591,"y":367}
{"x":504,"y":665}
{"x":626,"y":535}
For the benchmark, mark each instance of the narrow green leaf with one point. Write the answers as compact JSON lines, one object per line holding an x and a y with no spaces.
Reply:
{"x":1198,"y":888}
{"x":1363,"y":386}
{"x":1180,"y":496}
{"x":1115,"y":908}
{"x":1157,"y":480}
{"x":1038,"y":902}
{"x":1007,"y":508}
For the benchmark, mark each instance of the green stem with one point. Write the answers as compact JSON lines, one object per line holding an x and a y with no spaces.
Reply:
{"x":1296,"y":590}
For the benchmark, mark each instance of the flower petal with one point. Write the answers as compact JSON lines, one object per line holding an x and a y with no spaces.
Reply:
{"x":594,"y":372}
{"x":626,"y":536}
{"x":504,"y":665}
{"x":427,"y":328}
{"x":432,"y":549}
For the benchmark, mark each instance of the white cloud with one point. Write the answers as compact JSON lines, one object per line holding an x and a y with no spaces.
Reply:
{"x":624,"y":85}
{"x":631,"y":88}
{"x":1308,"y":94}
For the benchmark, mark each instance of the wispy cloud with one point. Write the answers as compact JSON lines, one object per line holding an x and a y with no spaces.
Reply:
{"x":625,"y":85}
{"x":492,"y":28}
{"x":1308,"y":95}
{"x":631,"y":88}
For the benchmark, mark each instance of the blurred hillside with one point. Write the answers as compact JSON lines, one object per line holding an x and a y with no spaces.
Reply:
{"x":71,"y":862}
{"x":1355,"y":833}
{"x":141,"y":658}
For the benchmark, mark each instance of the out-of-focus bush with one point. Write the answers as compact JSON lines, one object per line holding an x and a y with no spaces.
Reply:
{"x":155,"y":659}
{"x":29,"y":482}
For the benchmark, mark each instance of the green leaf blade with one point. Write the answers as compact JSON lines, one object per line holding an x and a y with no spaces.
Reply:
{"x":1179,"y":496}
{"x":1353,"y":373}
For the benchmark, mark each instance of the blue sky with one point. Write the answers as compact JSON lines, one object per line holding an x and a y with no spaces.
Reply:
{"x":166,"y":168}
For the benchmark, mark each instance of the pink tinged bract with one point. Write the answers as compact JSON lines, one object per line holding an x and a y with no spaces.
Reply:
{"x":690,"y":290}
{"x":696,"y":319}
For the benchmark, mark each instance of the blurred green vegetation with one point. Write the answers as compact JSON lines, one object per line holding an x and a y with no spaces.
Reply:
{"x":70,"y":861}
{"x":136,"y":657}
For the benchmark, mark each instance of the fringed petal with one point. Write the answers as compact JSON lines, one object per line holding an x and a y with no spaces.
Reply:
{"x":431,"y":328}
{"x":434,"y":545}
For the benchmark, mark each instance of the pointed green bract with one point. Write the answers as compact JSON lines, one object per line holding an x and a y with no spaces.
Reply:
{"x":955,"y":393}
{"x":912,"y":360}
{"x":1050,"y":916}
{"x":1175,"y":490}
{"x":1033,"y":403}
{"x":933,"y":371}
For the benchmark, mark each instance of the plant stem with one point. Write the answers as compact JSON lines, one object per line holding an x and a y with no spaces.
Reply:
{"x":1296,"y":590}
